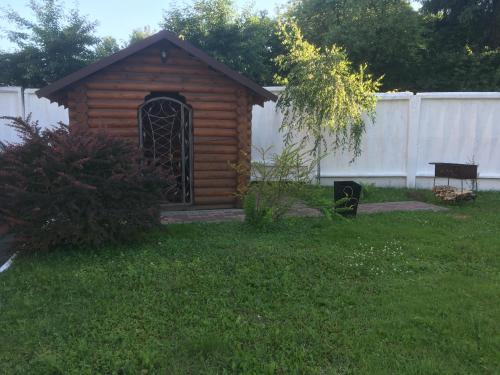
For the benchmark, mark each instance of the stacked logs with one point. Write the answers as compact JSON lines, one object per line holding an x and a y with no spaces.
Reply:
{"x":451,"y":194}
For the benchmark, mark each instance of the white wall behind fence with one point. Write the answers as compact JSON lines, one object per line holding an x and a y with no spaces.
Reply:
{"x":409,"y":132}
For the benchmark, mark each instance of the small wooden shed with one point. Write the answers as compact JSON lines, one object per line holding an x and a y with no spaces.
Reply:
{"x":186,"y":110}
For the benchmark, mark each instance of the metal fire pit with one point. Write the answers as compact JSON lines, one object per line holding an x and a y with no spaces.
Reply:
{"x":456,"y":171}
{"x":350,"y":190}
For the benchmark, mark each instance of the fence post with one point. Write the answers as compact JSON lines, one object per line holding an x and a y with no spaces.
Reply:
{"x":412,"y":141}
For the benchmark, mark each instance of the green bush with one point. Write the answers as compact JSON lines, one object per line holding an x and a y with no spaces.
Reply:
{"x":278,"y":180}
{"x":367,"y":190}
{"x":68,"y":186}
{"x":257,"y":216}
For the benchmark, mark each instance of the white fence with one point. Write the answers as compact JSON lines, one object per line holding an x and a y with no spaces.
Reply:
{"x":409,"y":132}
{"x":16,"y":102}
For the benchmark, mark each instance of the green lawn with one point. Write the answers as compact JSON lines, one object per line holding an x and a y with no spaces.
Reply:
{"x":396,"y":293}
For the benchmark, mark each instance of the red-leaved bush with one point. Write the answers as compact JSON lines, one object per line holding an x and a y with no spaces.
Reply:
{"x":68,"y":186}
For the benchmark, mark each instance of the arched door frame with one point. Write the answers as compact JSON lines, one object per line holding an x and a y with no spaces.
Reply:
{"x":189,"y":137}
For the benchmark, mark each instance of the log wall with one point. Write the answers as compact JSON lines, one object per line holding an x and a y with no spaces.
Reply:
{"x":109,"y":100}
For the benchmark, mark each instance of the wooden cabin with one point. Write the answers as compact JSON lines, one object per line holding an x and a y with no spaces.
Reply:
{"x":188,"y":112}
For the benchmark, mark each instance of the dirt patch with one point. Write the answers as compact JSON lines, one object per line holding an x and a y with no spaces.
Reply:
{"x":371,"y":208}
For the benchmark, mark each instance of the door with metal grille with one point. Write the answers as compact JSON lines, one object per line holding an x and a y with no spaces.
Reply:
{"x":165,"y":137}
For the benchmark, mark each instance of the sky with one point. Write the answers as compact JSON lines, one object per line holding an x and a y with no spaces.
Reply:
{"x":117,"y":18}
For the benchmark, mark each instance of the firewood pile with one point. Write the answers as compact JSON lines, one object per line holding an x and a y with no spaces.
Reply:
{"x":453,"y":195}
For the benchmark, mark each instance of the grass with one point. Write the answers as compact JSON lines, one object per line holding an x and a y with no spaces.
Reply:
{"x":395,"y":293}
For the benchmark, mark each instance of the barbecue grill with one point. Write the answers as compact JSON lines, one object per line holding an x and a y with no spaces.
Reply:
{"x":456,"y":171}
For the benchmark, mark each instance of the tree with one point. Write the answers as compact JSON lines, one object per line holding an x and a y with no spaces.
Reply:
{"x":448,"y":45}
{"x":385,"y":34}
{"x":140,"y":34}
{"x":245,"y":41}
{"x":323,"y":94}
{"x":55,"y":44}
{"x":107,"y":46}
{"x":472,"y":22}
{"x":463,"y":45}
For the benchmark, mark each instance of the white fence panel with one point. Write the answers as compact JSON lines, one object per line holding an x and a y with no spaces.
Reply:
{"x":42,"y":110}
{"x":460,"y":127}
{"x":266,"y":122}
{"x":383,"y":146}
{"x":11,"y":104}
{"x":16,"y":102}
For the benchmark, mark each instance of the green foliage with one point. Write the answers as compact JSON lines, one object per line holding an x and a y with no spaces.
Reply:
{"x":386,"y":34}
{"x":70,"y":187}
{"x":106,"y":46}
{"x":448,"y":45}
{"x":367,"y":190}
{"x":245,"y":40}
{"x":394,"y":293}
{"x":140,"y":34}
{"x":256,"y":214}
{"x":458,"y":23}
{"x":324,"y":95}
{"x":462,"y":69}
{"x":278,"y":179}
{"x":109,"y":45}
{"x":57,"y":43}
{"x":54,"y":44}
{"x":463,"y":45}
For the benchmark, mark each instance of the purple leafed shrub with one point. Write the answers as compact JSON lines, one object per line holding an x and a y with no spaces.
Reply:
{"x":68,"y":186}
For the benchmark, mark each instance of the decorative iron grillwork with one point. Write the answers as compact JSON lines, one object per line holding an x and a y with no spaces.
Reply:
{"x":165,"y":136}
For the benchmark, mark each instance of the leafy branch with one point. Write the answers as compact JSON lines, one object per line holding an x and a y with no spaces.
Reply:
{"x":324,"y":96}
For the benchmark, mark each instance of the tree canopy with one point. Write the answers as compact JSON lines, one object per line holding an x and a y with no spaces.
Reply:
{"x":446,"y":45}
{"x":140,"y":34}
{"x":55,"y":43}
{"x":472,"y":22}
{"x":462,"y":45}
{"x":244,"y":40}
{"x":106,"y":46}
{"x":386,"y":34}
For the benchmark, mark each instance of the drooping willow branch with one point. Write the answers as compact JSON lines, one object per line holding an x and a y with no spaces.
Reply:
{"x":324,"y":99}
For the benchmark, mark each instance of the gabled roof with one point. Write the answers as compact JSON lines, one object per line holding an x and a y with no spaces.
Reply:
{"x":64,"y":82}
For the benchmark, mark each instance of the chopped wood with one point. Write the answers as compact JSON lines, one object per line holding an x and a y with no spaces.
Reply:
{"x":452,"y":195}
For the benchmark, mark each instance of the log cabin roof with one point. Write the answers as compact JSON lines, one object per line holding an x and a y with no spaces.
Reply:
{"x":51,"y":91}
